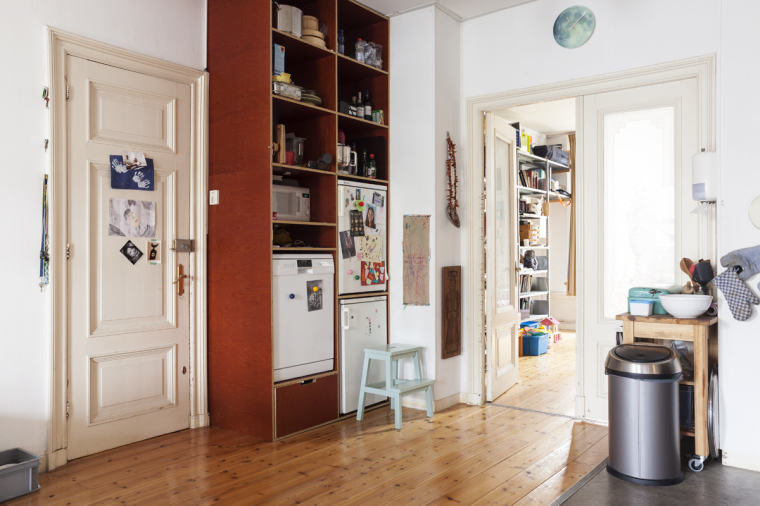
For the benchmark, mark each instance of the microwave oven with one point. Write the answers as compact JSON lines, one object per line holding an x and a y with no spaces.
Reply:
{"x":291,"y":203}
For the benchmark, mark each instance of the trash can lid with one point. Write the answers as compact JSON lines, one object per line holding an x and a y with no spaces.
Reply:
{"x":643,"y":361}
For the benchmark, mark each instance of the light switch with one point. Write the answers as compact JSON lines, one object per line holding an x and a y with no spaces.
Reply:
{"x":213,"y":198}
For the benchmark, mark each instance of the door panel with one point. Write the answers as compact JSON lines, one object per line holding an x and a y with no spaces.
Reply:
{"x":502,"y":314}
{"x":129,"y":331}
{"x":637,"y":222}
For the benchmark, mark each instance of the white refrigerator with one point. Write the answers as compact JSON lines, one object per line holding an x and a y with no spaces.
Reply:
{"x":362,"y":258}
{"x":363,"y":324}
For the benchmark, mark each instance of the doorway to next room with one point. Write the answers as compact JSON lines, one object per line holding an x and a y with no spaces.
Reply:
{"x":541,"y":183}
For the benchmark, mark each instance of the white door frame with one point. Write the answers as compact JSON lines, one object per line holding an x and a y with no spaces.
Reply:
{"x":703,"y":68}
{"x":61,"y":44}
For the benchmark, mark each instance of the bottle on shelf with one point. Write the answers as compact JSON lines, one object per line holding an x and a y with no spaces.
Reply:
{"x":360,"y":50}
{"x":363,"y":171}
{"x":371,"y":168}
{"x":360,"y":107}
{"x":341,"y":43}
{"x":354,"y":110}
{"x":367,"y":107}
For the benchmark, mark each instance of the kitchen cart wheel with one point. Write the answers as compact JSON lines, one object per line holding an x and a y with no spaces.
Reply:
{"x":697,"y":463}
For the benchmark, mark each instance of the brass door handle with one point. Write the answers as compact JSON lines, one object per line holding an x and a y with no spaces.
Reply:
{"x":181,"y":280}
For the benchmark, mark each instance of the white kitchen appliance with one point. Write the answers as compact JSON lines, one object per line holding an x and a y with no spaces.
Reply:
{"x":291,"y":203}
{"x":363,"y":325}
{"x":349,"y":265}
{"x":303,"y":296}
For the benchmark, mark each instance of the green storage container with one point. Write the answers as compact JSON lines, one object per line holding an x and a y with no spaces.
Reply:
{"x":644,"y":293}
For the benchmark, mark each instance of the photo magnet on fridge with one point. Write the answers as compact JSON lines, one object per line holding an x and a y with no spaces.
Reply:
{"x":347,"y":247}
{"x":314,"y":295}
{"x":139,"y":177}
{"x":357,"y":225}
{"x":378,"y":199}
{"x":371,"y":217}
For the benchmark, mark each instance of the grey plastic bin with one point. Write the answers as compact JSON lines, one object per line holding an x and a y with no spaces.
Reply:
{"x":643,"y":414}
{"x":20,"y":477}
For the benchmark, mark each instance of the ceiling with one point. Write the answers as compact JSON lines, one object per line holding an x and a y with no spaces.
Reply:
{"x":463,"y":9}
{"x":553,"y":117}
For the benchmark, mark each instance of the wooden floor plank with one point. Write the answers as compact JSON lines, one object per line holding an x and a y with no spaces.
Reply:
{"x":465,"y":454}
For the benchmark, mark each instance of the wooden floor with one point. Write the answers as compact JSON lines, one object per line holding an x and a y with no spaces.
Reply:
{"x":547,"y":382}
{"x":465,"y":454}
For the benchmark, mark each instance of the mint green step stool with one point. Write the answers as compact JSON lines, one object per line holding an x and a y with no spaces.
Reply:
{"x":396,"y":388}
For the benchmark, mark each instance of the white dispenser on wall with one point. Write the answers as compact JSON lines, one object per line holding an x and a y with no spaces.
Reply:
{"x":704,"y":176}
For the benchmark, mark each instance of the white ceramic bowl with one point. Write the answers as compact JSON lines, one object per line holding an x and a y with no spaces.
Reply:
{"x":686,"y":306}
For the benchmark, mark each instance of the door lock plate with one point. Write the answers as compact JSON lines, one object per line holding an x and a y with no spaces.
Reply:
{"x":184,"y":245}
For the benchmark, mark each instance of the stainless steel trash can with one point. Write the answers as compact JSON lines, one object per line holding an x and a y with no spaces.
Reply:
{"x":643,"y":414}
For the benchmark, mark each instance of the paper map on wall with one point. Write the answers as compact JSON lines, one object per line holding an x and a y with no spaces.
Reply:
{"x":131,"y":218}
{"x":371,"y":248}
{"x":373,"y":273}
{"x":416,"y":260}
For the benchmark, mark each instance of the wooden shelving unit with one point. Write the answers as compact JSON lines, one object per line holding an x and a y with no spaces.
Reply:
{"x":243,"y":115}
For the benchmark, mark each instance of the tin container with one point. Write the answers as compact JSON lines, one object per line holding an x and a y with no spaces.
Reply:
{"x":287,"y":90}
{"x":289,"y":19}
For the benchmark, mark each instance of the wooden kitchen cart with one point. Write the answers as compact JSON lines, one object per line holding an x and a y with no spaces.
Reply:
{"x":703,"y":332}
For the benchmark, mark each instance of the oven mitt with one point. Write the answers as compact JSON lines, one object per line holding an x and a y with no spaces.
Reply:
{"x":739,"y":297}
{"x":747,"y":258}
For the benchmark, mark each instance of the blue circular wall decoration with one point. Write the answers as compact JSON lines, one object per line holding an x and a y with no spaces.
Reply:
{"x":574,"y":26}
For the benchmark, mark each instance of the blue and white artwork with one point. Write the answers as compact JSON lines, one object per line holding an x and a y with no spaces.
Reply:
{"x":136,"y":178}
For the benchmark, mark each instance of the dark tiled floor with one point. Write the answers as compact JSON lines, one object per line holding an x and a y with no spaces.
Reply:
{"x":717,"y":485}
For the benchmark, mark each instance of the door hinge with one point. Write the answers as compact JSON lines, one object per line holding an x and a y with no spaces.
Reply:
{"x":67,"y":92}
{"x":67,"y":409}
{"x":67,"y":251}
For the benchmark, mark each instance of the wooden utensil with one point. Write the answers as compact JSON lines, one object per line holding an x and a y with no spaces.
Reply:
{"x":686,"y":264}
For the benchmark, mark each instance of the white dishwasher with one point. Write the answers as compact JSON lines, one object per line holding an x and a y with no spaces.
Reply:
{"x":364,"y":324}
{"x":303,"y":296}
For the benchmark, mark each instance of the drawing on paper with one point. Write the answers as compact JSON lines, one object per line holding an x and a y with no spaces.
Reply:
{"x":131,"y":218}
{"x":371,"y":248}
{"x":416,"y":260}
{"x":373,"y":273}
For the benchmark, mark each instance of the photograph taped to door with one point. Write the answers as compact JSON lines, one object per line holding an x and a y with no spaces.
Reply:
{"x":131,"y":252}
{"x":314,"y":295}
{"x":131,"y":218}
{"x":154,"y":252}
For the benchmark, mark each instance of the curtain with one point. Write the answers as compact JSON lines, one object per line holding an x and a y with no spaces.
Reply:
{"x":571,"y":253}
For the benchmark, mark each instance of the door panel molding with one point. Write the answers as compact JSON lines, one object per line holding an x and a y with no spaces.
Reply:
{"x":703,"y":68}
{"x":61,"y":44}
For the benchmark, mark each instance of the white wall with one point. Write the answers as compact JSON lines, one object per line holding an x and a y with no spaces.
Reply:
{"x":425,"y":51}
{"x":171,"y":29}
{"x":739,"y":110}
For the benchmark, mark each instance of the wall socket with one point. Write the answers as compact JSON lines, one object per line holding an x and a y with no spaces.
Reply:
{"x":213,"y":198}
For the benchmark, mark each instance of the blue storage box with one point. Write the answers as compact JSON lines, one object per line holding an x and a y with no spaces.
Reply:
{"x":641,"y":293}
{"x":535,"y":345}
{"x":530,"y":325}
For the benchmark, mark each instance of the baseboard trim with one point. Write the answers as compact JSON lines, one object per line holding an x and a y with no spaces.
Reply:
{"x":741,"y":460}
{"x":51,"y":461}
{"x":198,"y":421}
{"x":567,"y":326}
{"x":414,"y":402}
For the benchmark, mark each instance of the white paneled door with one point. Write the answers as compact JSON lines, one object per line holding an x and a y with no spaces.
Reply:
{"x":501,"y":246}
{"x":129,"y":328}
{"x":637,"y":220}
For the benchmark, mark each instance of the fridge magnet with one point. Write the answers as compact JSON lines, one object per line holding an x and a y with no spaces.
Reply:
{"x":373,"y":273}
{"x":371,"y":248}
{"x":314,"y":295}
{"x":131,"y":218}
{"x":347,"y":247}
{"x":132,"y":252}
{"x":123,"y":178}
{"x":358,"y":194}
{"x":416,"y":260}
{"x":378,"y":199}
{"x":357,"y":227}
{"x":154,"y":252}
{"x":370,"y":219}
